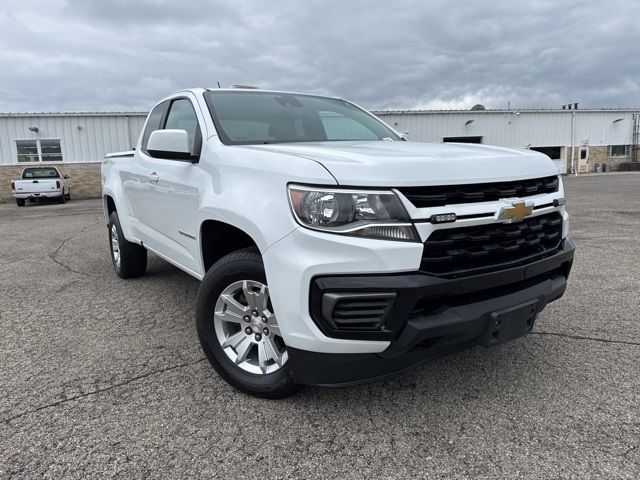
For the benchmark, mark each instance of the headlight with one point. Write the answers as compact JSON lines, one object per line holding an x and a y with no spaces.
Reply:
{"x":371,"y":214}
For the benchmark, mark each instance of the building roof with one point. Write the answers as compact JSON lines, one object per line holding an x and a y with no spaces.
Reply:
{"x":72,"y":114}
{"x":381,"y":112}
{"x":512,"y":110}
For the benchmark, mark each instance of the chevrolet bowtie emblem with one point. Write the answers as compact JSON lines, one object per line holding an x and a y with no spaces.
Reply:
{"x":516,"y":212}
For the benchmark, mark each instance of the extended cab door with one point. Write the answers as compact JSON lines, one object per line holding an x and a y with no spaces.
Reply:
{"x":170,"y":192}
{"x":137,"y":181}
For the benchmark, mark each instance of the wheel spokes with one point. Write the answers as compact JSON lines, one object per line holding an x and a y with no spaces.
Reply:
{"x":234,"y":340}
{"x":272,"y":324}
{"x":273,"y":351}
{"x":243,"y":349}
{"x":232,"y":311}
{"x":264,"y":298}
{"x":249,"y":295}
{"x":268,"y":351}
{"x":263,"y":356}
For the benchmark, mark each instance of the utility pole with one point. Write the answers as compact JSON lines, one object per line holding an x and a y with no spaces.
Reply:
{"x":635,"y":137}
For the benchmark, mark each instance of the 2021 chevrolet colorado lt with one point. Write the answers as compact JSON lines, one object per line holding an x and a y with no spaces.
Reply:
{"x":330,"y":250}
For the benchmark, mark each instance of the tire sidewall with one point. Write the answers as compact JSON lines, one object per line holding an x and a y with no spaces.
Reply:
{"x":215,"y":281}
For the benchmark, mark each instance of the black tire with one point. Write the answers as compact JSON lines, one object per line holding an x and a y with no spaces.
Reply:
{"x":20,"y":202}
{"x":69,"y":194}
{"x":133,"y":257}
{"x":241,"y":265}
{"x":62,"y":198}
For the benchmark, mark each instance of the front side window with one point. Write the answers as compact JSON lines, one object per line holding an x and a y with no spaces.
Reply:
{"x":41,"y":150}
{"x":182,"y":116}
{"x":245,"y":118}
{"x":153,"y":122}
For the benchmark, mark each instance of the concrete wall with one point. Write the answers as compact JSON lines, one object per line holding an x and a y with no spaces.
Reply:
{"x":84,"y":179}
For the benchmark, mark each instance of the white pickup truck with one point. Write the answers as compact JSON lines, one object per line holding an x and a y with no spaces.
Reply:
{"x":40,"y":182}
{"x":331,"y":251}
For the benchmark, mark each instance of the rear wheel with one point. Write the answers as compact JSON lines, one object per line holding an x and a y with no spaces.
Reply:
{"x":20,"y":202}
{"x":129,"y":259}
{"x":238,"y":328}
{"x":62,"y":198}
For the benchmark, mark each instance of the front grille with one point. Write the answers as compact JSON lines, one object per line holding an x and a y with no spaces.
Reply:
{"x":441,"y":195}
{"x":465,"y":250}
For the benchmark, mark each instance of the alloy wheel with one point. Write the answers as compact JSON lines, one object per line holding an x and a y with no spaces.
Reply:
{"x":247,"y":328}
{"x":115,"y":245}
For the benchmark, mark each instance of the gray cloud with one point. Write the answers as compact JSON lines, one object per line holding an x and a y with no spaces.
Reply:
{"x":120,"y":55}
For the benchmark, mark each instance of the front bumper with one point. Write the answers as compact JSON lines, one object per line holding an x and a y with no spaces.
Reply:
{"x":433,"y":316}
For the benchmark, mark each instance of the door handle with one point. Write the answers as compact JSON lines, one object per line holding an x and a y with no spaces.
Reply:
{"x":154,"y":177}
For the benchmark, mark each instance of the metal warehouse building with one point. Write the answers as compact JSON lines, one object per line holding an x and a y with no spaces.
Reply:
{"x":74,"y":142}
{"x":577,"y":140}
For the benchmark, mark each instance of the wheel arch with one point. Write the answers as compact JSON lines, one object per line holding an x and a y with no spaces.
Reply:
{"x":108,"y":205}
{"x":218,"y":238}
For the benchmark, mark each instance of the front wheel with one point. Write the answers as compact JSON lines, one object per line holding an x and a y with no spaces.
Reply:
{"x":238,"y":328}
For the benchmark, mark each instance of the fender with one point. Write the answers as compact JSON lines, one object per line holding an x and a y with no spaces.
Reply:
{"x":111,"y":187}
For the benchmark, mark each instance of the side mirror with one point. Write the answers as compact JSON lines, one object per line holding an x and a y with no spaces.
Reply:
{"x":65,"y":177}
{"x":172,"y":144}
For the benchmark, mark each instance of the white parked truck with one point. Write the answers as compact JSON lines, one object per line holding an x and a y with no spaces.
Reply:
{"x":40,"y":182}
{"x":331,"y":250}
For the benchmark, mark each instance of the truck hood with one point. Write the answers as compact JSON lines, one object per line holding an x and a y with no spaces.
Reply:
{"x":397,"y":164}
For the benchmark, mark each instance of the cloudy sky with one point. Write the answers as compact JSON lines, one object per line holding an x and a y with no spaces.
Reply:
{"x":78,"y":55}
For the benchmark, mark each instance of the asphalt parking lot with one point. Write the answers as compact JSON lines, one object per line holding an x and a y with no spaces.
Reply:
{"x":105,"y":378}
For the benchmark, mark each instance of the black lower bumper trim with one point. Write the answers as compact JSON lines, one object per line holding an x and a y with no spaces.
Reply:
{"x":431,"y":337}
{"x":473,"y":322}
{"x":434,"y":317}
{"x":344,"y":369}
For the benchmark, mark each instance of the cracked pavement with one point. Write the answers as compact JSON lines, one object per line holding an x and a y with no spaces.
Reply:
{"x":105,"y":378}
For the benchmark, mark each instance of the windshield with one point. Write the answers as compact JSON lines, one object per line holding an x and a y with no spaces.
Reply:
{"x":245,"y":118}
{"x":40,"y":172}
